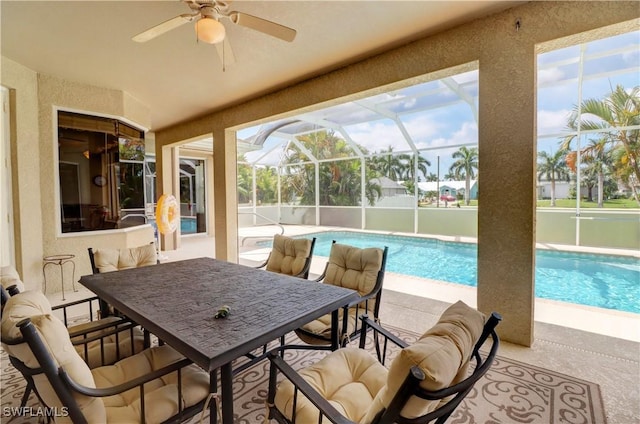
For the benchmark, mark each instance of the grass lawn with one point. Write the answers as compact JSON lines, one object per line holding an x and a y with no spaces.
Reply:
{"x":610,"y":204}
{"x":561,"y":203}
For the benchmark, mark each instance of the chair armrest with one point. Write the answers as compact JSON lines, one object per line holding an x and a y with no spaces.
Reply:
{"x":368,"y":322}
{"x":114,"y":390}
{"x":75,"y":302}
{"x":361,"y":299}
{"x":102,"y":330}
{"x":310,"y":393}
{"x":65,"y":306}
{"x":262,"y":265}
{"x":324,"y":273}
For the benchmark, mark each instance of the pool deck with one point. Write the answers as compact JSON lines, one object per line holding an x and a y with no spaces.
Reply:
{"x":624,"y":325}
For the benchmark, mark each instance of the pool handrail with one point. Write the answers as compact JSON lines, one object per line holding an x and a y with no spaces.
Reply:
{"x":270,"y":221}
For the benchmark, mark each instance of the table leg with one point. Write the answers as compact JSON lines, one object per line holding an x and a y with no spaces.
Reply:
{"x":213,"y":388}
{"x":334,"y":330}
{"x":226,"y":379}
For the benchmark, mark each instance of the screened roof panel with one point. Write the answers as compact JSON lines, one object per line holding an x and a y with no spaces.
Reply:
{"x":444,"y":112}
{"x":353,"y":114}
{"x":630,"y":39}
{"x":387,"y":135}
{"x":611,"y":63}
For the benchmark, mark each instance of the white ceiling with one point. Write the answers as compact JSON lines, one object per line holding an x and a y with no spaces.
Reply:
{"x":178,"y":78}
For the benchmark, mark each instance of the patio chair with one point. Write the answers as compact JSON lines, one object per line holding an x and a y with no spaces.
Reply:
{"x":174,"y":388}
{"x":9,"y":277}
{"x":353,"y":268}
{"x":290,"y":256}
{"x":105,"y":350}
{"x":425,"y":381}
{"x":109,"y":260}
{"x":98,"y":342}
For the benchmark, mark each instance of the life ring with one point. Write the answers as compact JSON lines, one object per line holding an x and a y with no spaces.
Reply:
{"x":167,"y":214}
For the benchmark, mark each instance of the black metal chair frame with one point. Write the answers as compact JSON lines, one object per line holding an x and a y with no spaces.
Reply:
{"x":64,"y":385}
{"x":307,"y":262}
{"x":78,"y":338}
{"x":410,"y":387}
{"x":375,"y":293}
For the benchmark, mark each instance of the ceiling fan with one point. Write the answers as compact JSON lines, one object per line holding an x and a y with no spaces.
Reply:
{"x":207,"y":15}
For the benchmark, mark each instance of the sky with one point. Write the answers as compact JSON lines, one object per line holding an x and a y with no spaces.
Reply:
{"x":444,"y":120}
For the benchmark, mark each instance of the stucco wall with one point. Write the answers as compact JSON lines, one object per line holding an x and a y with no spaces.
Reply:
{"x":25,"y":151}
{"x":506,"y":59}
{"x":35,"y":187}
{"x":58,"y":93}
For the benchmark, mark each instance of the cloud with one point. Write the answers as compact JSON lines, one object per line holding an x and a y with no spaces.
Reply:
{"x":546,"y":76}
{"x":552,"y":121}
{"x":377,"y":135}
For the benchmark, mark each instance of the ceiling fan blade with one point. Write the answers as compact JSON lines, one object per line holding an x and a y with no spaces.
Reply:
{"x":268,"y":27}
{"x":224,"y":51}
{"x":166,"y":26}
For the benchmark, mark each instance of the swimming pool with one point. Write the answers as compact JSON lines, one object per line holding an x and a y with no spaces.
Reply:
{"x":604,"y":281}
{"x":188,"y":225}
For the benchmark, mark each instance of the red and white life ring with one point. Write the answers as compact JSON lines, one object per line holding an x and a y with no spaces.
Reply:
{"x":167,"y":214}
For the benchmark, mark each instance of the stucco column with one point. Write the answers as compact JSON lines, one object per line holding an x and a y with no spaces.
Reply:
{"x":167,"y":182}
{"x":507,"y":157}
{"x":225,"y":195}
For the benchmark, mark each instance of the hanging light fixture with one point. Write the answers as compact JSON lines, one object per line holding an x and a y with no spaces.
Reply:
{"x":208,"y":28}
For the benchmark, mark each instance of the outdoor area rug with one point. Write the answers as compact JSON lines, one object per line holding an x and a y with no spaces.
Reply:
{"x":510,"y":392}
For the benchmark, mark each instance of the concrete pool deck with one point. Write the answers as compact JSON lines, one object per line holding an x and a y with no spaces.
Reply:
{"x":623,"y":325}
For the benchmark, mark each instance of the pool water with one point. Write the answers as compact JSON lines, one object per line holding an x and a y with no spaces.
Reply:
{"x":604,"y":281}
{"x":188,"y":225}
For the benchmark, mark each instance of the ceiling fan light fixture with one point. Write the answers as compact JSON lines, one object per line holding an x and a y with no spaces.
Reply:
{"x":209,"y":30}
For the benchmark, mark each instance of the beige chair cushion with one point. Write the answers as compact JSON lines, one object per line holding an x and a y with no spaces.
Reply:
{"x":160,"y":394}
{"x":9,"y":277}
{"x":288,"y":255}
{"x":108,"y":260}
{"x":355,"y":269}
{"x":34,"y":305}
{"x":348,"y":378}
{"x":442,"y":353}
{"x":107,"y":346}
{"x":359,"y":387}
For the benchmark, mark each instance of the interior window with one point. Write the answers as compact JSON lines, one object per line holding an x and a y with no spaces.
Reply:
{"x":100,"y":163}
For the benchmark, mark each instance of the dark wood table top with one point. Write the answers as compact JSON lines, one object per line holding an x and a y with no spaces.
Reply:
{"x":177,"y":302}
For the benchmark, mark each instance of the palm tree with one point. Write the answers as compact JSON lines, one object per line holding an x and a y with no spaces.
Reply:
{"x":389,"y":165}
{"x":620,"y":109}
{"x":410,"y":167}
{"x":598,"y":160}
{"x":466,"y":165}
{"x":339,"y":180}
{"x":432,"y":177}
{"x":553,"y":167}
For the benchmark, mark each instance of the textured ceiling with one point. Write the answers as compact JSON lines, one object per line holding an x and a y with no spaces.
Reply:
{"x":178,"y":78}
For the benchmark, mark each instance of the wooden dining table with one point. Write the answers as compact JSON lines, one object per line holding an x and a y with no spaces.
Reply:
{"x":178,"y":301}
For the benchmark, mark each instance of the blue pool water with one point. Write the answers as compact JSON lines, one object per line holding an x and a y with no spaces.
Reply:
{"x":188,"y":225}
{"x":604,"y":281}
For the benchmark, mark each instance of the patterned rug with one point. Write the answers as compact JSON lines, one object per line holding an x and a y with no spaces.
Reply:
{"x":510,"y":392}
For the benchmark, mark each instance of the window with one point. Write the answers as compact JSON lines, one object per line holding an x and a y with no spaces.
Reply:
{"x":100,"y":163}
{"x":588,"y":132}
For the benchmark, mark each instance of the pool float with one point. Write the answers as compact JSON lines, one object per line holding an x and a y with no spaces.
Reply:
{"x":167,"y":214}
